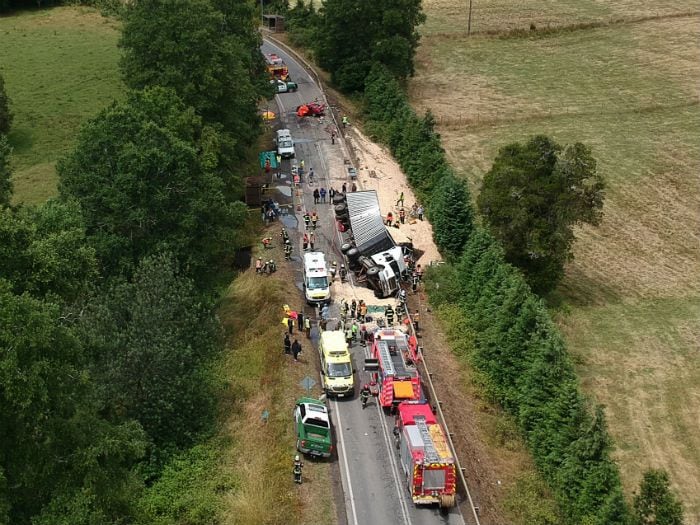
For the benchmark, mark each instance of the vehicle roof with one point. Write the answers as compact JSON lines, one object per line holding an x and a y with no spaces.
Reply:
{"x":311,"y":401}
{"x":333,"y":341}
{"x":315,"y":261}
{"x":367,"y":223}
{"x":409,"y":411}
{"x":281,"y":132}
{"x":315,"y":409}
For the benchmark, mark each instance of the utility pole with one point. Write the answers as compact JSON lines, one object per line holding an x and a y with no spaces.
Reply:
{"x":469,"y":22}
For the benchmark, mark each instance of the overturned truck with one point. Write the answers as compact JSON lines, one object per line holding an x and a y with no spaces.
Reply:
{"x":370,"y":248}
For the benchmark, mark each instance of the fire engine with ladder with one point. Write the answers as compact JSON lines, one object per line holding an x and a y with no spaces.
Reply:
{"x":393,"y":365}
{"x":425,"y":456}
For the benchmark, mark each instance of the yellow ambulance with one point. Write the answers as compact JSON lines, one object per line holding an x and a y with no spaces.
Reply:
{"x":337,"y":374}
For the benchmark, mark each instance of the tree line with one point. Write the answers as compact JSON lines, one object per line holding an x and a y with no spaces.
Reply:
{"x":107,"y":292}
{"x":536,"y":190}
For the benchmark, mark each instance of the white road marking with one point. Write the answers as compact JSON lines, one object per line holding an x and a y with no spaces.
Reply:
{"x":345,"y":463}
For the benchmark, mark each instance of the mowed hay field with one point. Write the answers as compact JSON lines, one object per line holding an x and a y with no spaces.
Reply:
{"x":630,"y":303}
{"x":60,"y":67}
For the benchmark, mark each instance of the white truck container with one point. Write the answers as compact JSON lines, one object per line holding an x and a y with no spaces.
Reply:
{"x":316,"y":285}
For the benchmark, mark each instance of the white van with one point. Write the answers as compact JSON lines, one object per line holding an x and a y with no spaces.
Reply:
{"x":285,"y":144}
{"x":316,"y":285}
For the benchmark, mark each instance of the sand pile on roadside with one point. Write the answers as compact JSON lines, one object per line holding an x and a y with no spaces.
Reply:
{"x":378,"y":171}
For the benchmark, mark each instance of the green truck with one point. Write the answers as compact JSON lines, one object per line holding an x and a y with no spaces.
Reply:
{"x":313,"y":428}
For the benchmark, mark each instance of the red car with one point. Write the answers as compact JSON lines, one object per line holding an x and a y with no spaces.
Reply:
{"x":312,"y":109}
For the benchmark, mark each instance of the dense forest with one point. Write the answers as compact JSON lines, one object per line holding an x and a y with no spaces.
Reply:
{"x":107,"y":291}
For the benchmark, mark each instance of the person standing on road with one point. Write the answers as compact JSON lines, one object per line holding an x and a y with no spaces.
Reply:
{"x":402,"y":215}
{"x":305,"y":242}
{"x":290,"y":325}
{"x":296,"y":349}
{"x":300,"y":321}
{"x":421,"y":210}
{"x":287,"y":344}
{"x":362,"y":311}
{"x":307,"y":327}
{"x":314,"y":219}
{"x":331,"y":194}
{"x":332,"y":137}
{"x":317,"y":196}
{"x":322,"y":194}
{"x":389,"y":314}
{"x":400,"y":199}
{"x":389,"y":219}
{"x":307,"y":219}
{"x":311,"y":176}
{"x":312,"y":240}
{"x":345,"y":188}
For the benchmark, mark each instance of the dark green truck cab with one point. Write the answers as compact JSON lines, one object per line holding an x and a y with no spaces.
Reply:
{"x":313,"y":428}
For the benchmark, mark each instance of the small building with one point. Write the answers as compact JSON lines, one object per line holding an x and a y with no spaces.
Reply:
{"x":273,"y":23}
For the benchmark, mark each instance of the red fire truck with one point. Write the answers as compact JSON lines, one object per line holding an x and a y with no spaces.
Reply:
{"x":394,"y":356}
{"x":424,"y":455}
{"x":276,"y":67}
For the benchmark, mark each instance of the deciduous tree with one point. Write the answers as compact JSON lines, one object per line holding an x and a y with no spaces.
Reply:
{"x":54,"y":447}
{"x":197,"y":50}
{"x":533,"y":196}
{"x":151,"y":339}
{"x":43,"y":251}
{"x":354,"y":34}
{"x":142,"y":178}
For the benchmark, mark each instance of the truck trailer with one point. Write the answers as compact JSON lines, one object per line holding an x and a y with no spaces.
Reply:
{"x":425,"y":457}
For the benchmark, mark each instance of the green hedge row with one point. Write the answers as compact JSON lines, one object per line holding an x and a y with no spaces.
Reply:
{"x":518,"y":349}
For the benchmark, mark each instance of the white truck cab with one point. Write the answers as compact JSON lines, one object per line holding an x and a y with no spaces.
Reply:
{"x":316,"y":284}
{"x":390,"y":266}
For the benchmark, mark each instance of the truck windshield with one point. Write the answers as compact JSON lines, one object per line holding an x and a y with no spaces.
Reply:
{"x":339,"y":370}
{"x":316,"y":283}
{"x":285,"y":143}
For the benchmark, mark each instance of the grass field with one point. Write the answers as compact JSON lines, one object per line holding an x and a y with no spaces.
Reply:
{"x":630,"y":303}
{"x":447,"y":17}
{"x":60,"y":68}
{"x":262,"y":379}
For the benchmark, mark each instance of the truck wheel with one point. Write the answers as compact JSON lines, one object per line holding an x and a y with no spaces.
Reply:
{"x":339,"y":199}
{"x":345,"y":247}
{"x":374,"y":271}
{"x":341,"y":209}
{"x":352,"y":254}
{"x":447,"y":501}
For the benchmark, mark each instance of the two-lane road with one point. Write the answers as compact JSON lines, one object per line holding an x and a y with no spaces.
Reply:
{"x":375,"y":491}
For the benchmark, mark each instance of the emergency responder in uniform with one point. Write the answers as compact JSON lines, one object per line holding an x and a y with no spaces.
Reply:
{"x":389,"y":314}
{"x":287,"y":250}
{"x":307,"y":219}
{"x":298,"y":465}
{"x":364,"y":395}
{"x":353,"y":308}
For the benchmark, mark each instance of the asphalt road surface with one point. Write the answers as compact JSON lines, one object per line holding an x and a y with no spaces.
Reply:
{"x":375,"y":491}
